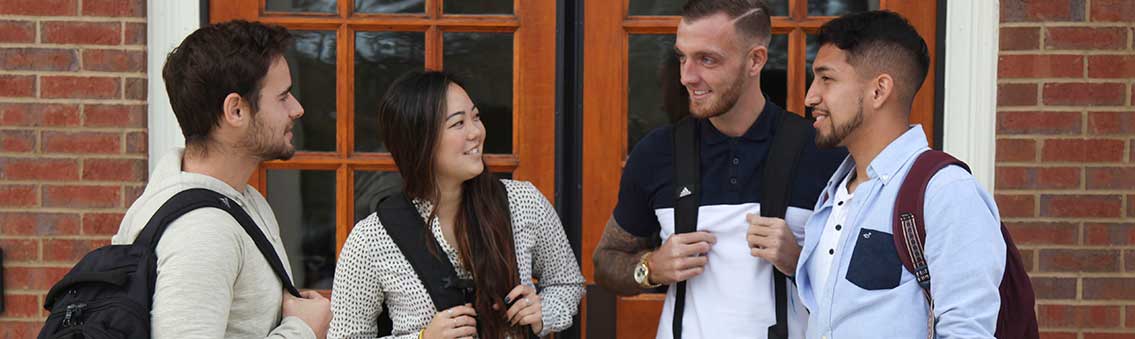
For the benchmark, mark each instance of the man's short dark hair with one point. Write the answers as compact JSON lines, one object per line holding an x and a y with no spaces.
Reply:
{"x":229,"y":57}
{"x":881,"y":42}
{"x":751,"y":17}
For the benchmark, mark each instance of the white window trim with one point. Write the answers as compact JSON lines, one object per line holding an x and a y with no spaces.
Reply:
{"x":970,"y":84}
{"x":167,"y":23}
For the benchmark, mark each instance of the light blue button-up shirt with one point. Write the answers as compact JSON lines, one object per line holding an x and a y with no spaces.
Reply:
{"x":868,"y":293}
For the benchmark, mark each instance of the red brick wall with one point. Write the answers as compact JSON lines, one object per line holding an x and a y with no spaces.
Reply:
{"x":72,"y":139}
{"x":1065,"y":153}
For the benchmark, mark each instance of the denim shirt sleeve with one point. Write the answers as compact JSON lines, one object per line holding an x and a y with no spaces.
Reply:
{"x":966,"y":254}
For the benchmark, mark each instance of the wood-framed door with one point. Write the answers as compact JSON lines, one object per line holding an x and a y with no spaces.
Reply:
{"x":346,"y":54}
{"x":631,"y":86}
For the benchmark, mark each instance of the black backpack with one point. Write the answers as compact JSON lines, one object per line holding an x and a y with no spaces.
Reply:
{"x":109,"y":293}
{"x":776,"y":184}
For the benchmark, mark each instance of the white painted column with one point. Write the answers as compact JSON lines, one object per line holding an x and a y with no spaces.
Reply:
{"x":167,"y":23}
{"x":970,"y":86}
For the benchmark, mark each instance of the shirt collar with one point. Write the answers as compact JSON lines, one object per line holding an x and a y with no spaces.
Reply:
{"x":761,"y":129}
{"x":895,"y":156}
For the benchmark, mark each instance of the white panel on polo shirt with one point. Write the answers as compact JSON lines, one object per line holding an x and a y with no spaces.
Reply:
{"x":821,"y":263}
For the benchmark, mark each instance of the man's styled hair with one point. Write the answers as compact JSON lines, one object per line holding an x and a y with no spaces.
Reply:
{"x":879,"y":42}
{"x":229,"y":57}
{"x":750,"y":17}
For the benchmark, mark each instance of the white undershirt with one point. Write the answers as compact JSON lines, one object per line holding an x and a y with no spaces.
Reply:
{"x":821,"y":263}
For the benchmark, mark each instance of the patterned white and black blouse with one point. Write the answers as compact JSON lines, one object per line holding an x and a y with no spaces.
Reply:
{"x":372,"y":271}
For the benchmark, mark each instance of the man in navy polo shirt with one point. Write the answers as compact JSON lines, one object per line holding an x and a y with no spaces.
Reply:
{"x":728,"y":262}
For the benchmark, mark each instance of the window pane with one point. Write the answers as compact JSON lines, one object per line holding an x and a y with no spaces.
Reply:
{"x":312,"y":62}
{"x":840,"y":7}
{"x":304,"y":204}
{"x":674,"y":7}
{"x":812,"y":48}
{"x":774,"y":77}
{"x":381,"y":57}
{"x":301,"y":6}
{"x":483,"y":61}
{"x":370,"y":186}
{"x":478,"y":7}
{"x":390,"y":6}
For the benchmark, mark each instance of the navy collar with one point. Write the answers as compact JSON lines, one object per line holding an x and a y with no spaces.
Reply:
{"x":761,"y":129}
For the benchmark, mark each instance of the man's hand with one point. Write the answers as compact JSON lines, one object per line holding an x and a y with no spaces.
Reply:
{"x":681,"y":257}
{"x":770,"y":239}
{"x":312,"y":308}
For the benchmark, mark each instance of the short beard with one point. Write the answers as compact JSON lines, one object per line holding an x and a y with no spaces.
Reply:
{"x":260,"y":145}
{"x":839,"y":133}
{"x":728,"y":99}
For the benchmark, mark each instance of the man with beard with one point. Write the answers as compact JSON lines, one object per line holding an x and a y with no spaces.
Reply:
{"x":728,"y":262}
{"x":868,"y":69}
{"x":230,"y":89}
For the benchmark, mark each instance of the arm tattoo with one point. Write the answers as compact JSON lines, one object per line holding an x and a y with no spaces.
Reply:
{"x":616,"y":256}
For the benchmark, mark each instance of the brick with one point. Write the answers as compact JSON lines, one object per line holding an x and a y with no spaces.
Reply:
{"x":128,"y":8}
{"x":17,"y":85}
{"x":109,"y":60}
{"x":21,"y":305}
{"x":1108,"y":335}
{"x":1040,"y":66}
{"x":125,"y":116}
{"x":20,"y":249}
{"x":80,"y":87}
{"x":12,"y":31}
{"x":1039,"y":123}
{"x":1038,"y":178}
{"x":1111,"y":122}
{"x":43,"y":169}
{"x":1130,"y":322}
{"x":129,"y":170}
{"x":1085,"y":94}
{"x":135,"y":33}
{"x":38,"y":59}
{"x":1081,"y":206}
{"x":1020,"y":38}
{"x":1085,"y":38}
{"x":1111,"y":66}
{"x":1109,"y":289}
{"x":1016,"y":205}
{"x":1102,"y":234}
{"x":1053,"y":10}
{"x":39,"y":114}
{"x":33,"y":278}
{"x":70,"y":250}
{"x":20,"y":328}
{"x":85,"y":196}
{"x":1054,"y":288}
{"x":132,"y":193}
{"x":1129,"y":260}
{"x":1113,"y":11}
{"x":136,"y":88}
{"x":38,"y":7}
{"x":1016,"y":150}
{"x":17,"y":196}
{"x":1078,"y":316}
{"x":1110,"y":178}
{"x":17,"y":141}
{"x":82,"y":142}
{"x":101,"y":223}
{"x":39,"y":224}
{"x":1077,"y":260}
{"x":1131,"y":205}
{"x":1083,"y":150}
{"x":1027,"y":256}
{"x":83,"y":33}
{"x":1048,"y":334}
{"x":136,"y":143}
{"x":1016,"y":95}
{"x":1044,"y":233}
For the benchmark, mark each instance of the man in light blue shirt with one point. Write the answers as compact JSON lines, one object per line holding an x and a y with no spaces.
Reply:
{"x":868,"y":69}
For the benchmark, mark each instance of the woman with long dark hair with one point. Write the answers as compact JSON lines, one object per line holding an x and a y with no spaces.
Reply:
{"x":500,"y":234}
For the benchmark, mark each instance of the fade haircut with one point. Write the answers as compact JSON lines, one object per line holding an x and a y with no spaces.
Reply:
{"x":750,"y":17}
{"x":878,"y":42}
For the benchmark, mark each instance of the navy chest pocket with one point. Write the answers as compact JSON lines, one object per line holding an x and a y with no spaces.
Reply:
{"x":874,"y":263}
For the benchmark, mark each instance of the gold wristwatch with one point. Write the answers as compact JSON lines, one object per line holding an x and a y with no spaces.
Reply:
{"x":642,"y":273}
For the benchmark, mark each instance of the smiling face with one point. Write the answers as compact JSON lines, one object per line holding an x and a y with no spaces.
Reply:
{"x":462,"y":138}
{"x":713,"y":64}
{"x":836,"y":98}
{"x":269,"y":134}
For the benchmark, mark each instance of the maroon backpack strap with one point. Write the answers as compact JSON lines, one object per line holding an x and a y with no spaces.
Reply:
{"x":908,"y":225}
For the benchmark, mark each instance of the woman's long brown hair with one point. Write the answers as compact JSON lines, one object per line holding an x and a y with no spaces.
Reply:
{"x":410,"y":118}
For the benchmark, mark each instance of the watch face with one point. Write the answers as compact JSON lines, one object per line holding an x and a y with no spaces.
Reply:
{"x":639,"y":274}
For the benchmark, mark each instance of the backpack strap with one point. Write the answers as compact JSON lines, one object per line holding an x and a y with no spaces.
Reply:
{"x":776,"y":187}
{"x":191,"y":199}
{"x":908,"y":224}
{"x":687,"y":197}
{"x":405,"y":226}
